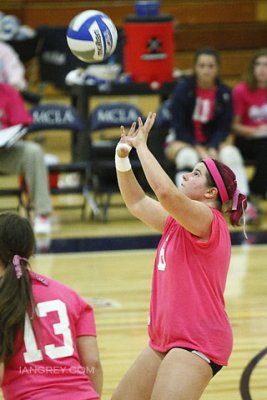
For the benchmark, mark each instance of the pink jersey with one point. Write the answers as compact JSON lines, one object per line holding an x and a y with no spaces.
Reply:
{"x":187,"y":305}
{"x":46,"y":364}
{"x":12,"y":108}
{"x":204,"y":111}
{"x":251,"y":106}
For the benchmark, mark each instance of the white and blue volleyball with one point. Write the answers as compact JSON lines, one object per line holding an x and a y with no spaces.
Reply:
{"x":92,"y":36}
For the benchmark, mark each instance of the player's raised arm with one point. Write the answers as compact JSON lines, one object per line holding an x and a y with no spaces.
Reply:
{"x":137,"y":201}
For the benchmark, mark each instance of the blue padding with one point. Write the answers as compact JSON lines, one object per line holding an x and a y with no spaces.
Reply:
{"x":54,"y":116}
{"x":113,"y":115}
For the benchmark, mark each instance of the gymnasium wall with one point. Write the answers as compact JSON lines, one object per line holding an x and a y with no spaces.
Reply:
{"x":236,"y":28}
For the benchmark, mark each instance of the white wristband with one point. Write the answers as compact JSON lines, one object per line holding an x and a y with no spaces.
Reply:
{"x":122,"y":163}
{"x":125,"y":146}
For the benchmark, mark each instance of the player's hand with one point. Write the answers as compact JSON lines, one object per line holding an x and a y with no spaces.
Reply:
{"x":124,"y":146}
{"x":138,"y":135}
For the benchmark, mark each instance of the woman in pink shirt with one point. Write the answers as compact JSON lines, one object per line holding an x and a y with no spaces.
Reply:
{"x":48,"y":346}
{"x":190,"y":334}
{"x":250,"y":120}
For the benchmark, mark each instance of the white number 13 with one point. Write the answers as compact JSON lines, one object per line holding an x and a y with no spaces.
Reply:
{"x":61,"y":328}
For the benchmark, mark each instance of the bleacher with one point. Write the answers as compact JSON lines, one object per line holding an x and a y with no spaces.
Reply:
{"x":236,"y":28}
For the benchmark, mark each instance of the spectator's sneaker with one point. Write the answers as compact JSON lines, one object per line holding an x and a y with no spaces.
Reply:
{"x":42,"y":224}
{"x":252,"y":214}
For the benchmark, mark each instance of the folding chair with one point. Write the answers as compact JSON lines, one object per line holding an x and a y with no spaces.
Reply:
{"x":26,"y":48}
{"x":9,"y":187}
{"x":55,"y":117}
{"x":103,"y":140}
{"x":55,"y":59}
{"x":157,"y":137}
{"x":14,"y":191}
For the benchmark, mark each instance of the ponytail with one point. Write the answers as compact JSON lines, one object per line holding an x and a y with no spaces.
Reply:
{"x":15,"y":299}
{"x":17,"y":244}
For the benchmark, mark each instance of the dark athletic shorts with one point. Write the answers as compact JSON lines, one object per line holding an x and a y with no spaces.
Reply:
{"x":215,"y":367}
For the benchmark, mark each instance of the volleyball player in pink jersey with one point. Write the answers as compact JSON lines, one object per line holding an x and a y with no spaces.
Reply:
{"x":190,"y":334}
{"x":250,"y":119}
{"x":48,"y":346}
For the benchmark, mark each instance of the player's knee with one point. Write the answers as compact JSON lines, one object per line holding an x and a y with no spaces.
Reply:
{"x":186,"y":158}
{"x":230,"y":155}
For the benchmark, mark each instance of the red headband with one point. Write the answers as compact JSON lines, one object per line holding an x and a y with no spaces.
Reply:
{"x":213,"y":170}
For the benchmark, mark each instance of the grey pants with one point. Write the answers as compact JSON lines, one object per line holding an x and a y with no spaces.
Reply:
{"x":26,"y":158}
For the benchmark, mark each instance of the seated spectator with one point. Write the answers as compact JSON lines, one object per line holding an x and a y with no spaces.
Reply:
{"x":25,"y":157}
{"x":12,"y":70}
{"x":250,"y":120}
{"x":202,"y":113}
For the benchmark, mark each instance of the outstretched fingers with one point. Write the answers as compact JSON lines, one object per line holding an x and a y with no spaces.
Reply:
{"x":149,"y":121}
{"x":138,"y":131}
{"x":132,"y":131}
{"x":122,"y":131}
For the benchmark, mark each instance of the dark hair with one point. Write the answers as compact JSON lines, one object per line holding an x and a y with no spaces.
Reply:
{"x":16,"y":238}
{"x":209,"y":51}
{"x":230,"y":183}
{"x":250,"y":76}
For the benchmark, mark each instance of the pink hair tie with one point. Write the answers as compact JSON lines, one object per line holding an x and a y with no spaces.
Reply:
{"x":213,"y":170}
{"x":16,"y":262}
{"x":235,"y":200}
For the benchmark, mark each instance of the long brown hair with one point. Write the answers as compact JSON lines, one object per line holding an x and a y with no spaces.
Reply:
{"x":249,"y":75}
{"x":16,"y":238}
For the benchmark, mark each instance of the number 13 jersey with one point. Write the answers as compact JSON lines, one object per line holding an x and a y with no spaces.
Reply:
{"x":46,"y":362}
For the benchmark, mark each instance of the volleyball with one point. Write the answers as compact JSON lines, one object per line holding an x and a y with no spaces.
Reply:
{"x":92,"y":36}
